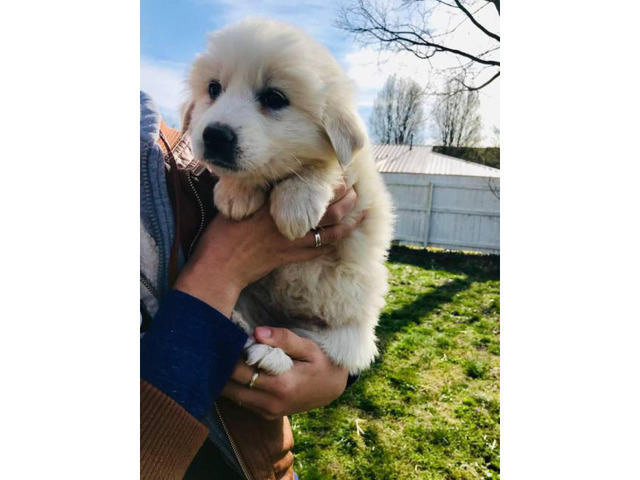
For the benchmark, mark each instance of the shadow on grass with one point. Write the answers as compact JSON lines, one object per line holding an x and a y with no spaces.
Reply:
{"x":480,"y":267}
{"x":413,"y":313}
{"x":474,"y":268}
{"x":374,"y":462}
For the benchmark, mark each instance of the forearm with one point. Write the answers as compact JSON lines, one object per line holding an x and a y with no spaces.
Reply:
{"x":189,"y":352}
{"x":219,"y":290}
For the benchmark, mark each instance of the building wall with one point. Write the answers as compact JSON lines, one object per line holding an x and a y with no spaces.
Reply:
{"x":452,"y":212}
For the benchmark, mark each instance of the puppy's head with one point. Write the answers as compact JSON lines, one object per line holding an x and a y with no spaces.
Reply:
{"x":266,"y":100}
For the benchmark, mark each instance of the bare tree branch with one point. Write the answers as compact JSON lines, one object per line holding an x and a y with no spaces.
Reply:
{"x":381,"y":32}
{"x":475,"y":22}
{"x":462,"y":22}
{"x":496,"y":3}
{"x":442,"y":2}
{"x":474,"y":89}
{"x":405,"y":28}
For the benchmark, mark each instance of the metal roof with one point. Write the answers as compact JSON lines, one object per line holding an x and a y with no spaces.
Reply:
{"x":422,"y":159}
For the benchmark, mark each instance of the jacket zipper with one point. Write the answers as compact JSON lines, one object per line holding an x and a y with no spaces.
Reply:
{"x":233,"y":444}
{"x":195,"y":239}
{"x":193,"y":243}
{"x":222,"y":422}
{"x":152,"y":290}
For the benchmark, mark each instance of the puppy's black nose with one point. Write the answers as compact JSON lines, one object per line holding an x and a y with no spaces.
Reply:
{"x":219,"y":138}
{"x":220,"y":145}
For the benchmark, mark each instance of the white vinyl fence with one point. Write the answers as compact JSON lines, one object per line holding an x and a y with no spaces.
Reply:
{"x":447,"y":211}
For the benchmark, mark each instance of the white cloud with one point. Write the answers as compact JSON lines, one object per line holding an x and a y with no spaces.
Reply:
{"x":316,"y":17}
{"x":165,"y":82}
{"x":370,"y":68}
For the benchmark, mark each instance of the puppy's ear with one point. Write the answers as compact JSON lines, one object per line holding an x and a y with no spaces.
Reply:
{"x":185,"y":113}
{"x":345,"y":131}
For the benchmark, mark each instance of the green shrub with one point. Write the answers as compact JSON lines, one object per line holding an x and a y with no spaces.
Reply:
{"x":489,"y":156}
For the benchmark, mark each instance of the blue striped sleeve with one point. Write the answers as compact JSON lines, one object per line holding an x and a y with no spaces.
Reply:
{"x":189,"y":352}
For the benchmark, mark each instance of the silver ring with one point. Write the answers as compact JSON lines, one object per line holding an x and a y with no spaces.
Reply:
{"x":253,"y":380}
{"x":317,"y":237}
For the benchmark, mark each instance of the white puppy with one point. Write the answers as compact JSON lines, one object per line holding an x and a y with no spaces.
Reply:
{"x":273,"y":113}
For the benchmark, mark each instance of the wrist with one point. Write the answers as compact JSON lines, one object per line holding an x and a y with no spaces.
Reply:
{"x":214,"y":288}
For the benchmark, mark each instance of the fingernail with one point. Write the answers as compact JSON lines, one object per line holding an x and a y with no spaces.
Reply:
{"x":264,"y":332}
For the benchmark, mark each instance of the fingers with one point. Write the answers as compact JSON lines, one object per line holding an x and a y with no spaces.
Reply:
{"x":271,"y":402}
{"x":307,"y":249}
{"x":309,"y":240}
{"x":339,"y":192}
{"x":339,"y":208}
{"x":251,"y":399}
{"x":306,"y":253}
{"x":330,"y":235}
{"x":275,"y":385}
{"x":360,"y":218}
{"x":293,"y":345}
{"x":242,"y":374}
{"x":335,"y":233}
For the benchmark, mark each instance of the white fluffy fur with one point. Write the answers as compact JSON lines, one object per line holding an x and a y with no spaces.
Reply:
{"x":297,"y":155}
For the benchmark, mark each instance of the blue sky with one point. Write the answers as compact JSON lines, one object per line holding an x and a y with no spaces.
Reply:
{"x":173,"y":32}
{"x":176,"y":31}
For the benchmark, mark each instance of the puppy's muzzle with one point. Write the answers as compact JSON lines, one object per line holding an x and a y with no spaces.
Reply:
{"x":220,"y":145}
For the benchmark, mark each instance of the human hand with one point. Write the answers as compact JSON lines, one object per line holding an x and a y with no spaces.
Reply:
{"x":232,"y":254}
{"x":343,"y":201}
{"x":312,"y":382}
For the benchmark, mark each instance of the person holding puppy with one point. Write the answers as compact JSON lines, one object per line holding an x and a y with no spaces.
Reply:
{"x":191,"y":351}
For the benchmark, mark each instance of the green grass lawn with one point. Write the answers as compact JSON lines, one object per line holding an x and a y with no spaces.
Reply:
{"x":429,"y":408}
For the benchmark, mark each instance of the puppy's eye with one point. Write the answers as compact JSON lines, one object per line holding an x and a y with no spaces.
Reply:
{"x":214,"y":89}
{"x":273,"y":99}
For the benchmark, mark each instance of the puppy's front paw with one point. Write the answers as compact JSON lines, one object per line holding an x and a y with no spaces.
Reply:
{"x":272,"y":360}
{"x":235,"y":201}
{"x":297,"y":207}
